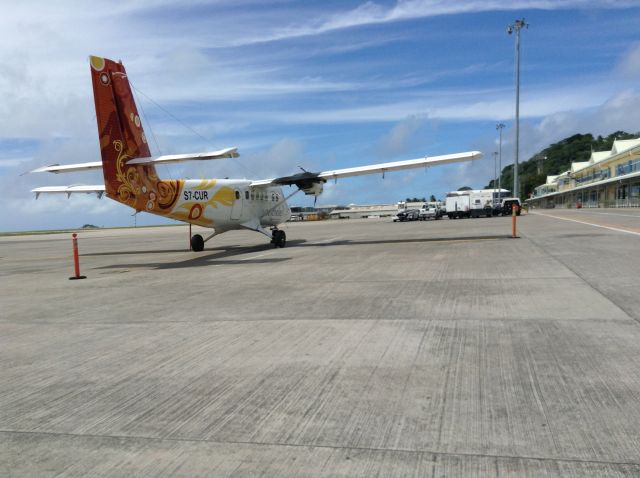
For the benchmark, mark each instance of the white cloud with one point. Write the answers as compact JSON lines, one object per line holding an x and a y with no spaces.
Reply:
{"x":282,"y":158}
{"x":463,"y":104}
{"x":629,"y":64}
{"x":402,"y":137}
{"x":13,"y":162}
{"x":371,"y":13}
{"x":620,"y":112}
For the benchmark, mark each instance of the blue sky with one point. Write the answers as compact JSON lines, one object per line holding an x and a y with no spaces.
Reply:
{"x":321,"y":85}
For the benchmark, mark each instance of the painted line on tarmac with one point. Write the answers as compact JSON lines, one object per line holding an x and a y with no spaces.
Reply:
{"x":616,"y":229}
{"x":246,"y":258}
{"x":324,"y":241}
{"x":634,"y":216}
{"x":255,"y":257}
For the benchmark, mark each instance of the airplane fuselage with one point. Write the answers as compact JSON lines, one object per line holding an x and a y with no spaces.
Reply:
{"x":221,"y":204}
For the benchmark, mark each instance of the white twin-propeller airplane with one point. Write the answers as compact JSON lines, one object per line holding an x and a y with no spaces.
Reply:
{"x":220,"y":204}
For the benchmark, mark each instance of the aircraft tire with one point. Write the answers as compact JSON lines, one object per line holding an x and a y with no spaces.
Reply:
{"x":279,"y":238}
{"x":197,"y":243}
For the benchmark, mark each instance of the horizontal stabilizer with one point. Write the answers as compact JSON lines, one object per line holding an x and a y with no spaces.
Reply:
{"x":168,"y":158}
{"x":68,"y":168}
{"x":68,"y":190}
{"x":178,"y":158}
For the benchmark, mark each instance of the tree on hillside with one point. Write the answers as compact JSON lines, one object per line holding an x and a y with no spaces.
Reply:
{"x":465,"y":188}
{"x":432,"y":198}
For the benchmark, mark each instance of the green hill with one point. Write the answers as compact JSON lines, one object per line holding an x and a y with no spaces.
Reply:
{"x":556,"y":159}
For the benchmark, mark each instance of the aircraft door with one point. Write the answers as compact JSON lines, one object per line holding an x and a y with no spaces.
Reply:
{"x":236,"y":209}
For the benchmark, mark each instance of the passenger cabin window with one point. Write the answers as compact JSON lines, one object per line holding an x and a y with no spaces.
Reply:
{"x":237,"y":194}
{"x":246,"y":194}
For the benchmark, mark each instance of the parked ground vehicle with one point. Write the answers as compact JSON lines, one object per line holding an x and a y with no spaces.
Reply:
{"x":475,"y":202}
{"x":507,"y":204}
{"x":481,"y":202}
{"x":458,"y":204}
{"x":430,"y":212}
{"x":407,"y":215}
{"x":497,"y":201}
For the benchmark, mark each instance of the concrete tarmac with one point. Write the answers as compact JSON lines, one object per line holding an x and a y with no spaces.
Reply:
{"x":364,"y":348}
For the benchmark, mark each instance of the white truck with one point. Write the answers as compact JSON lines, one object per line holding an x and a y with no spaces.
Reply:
{"x":474,"y":203}
{"x":481,"y":202}
{"x":430,"y":211}
{"x":458,"y":204}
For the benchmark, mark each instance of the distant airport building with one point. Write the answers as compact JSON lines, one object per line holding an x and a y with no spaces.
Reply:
{"x":608,"y":179}
{"x":354,"y":211}
{"x":351,"y":211}
{"x":312,"y":213}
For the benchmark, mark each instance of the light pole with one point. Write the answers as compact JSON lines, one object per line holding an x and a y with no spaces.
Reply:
{"x":495,"y":178}
{"x":517,"y":26}
{"x":500,"y":127}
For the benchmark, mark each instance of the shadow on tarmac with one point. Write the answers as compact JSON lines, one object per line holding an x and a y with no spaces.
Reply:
{"x":124,"y":253}
{"x":215,"y":256}
{"x":225,"y":255}
{"x":347,"y":242}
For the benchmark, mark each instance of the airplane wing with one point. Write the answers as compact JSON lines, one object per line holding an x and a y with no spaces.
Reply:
{"x":306,"y":179}
{"x":68,"y":190}
{"x":167,"y":158}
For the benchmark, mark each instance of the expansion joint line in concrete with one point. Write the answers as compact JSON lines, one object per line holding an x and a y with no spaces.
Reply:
{"x":325,"y":447}
{"x":212,"y":323}
{"x":579,"y":276}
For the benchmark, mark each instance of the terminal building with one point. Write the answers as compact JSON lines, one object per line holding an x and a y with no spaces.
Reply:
{"x":608,"y":179}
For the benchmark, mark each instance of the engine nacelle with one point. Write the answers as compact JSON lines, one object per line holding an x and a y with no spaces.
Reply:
{"x":313,"y":189}
{"x":309,"y":183}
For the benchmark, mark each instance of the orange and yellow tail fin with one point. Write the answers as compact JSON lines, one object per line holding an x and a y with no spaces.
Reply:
{"x":121,"y":137}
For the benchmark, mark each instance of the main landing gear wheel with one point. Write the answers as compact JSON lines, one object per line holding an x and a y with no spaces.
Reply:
{"x":278,"y":238}
{"x":197,"y":243}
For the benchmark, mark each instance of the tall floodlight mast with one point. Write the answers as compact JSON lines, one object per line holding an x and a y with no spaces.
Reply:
{"x":517,"y":26}
{"x":500,"y":127}
{"x":495,"y":179}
